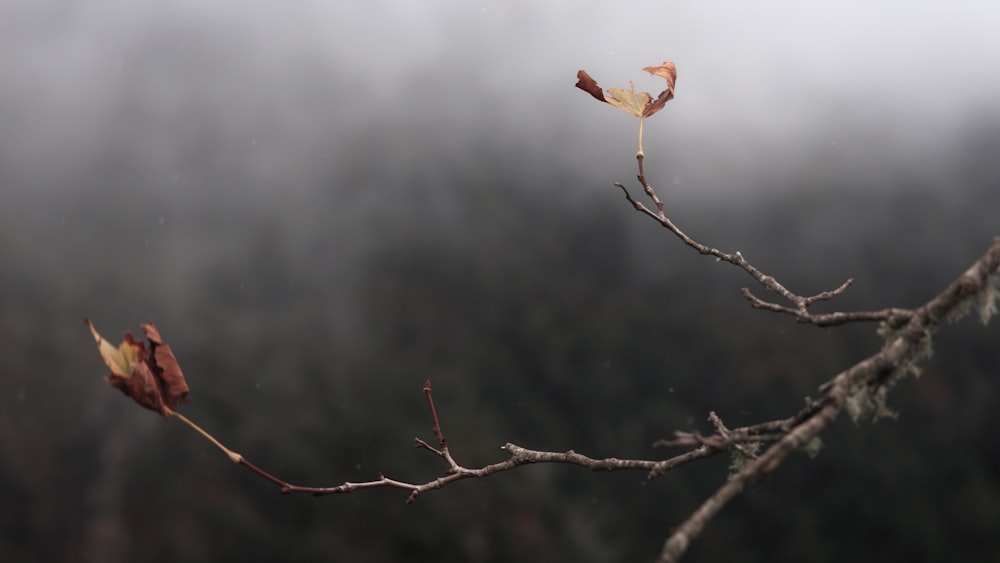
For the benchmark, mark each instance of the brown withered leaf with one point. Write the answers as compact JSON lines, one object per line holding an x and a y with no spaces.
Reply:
{"x":151,"y":377}
{"x":142,"y":387}
{"x":175,"y":388}
{"x":667,"y":71}
{"x":589,"y":85}
{"x":639,"y":104}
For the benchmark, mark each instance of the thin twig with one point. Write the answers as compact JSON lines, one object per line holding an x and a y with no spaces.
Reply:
{"x":518,"y":456}
{"x":800,"y":303}
{"x":233,"y":456}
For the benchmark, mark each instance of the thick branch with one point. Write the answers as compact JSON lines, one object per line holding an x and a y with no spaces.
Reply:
{"x":871,"y":373}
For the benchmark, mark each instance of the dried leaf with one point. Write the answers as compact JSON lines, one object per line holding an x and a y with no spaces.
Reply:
{"x":629,"y":100}
{"x":639,"y":104}
{"x":121,"y":360}
{"x":142,"y":387}
{"x":589,"y":85}
{"x":175,"y":388}
{"x":669,"y":73}
{"x":151,"y":377}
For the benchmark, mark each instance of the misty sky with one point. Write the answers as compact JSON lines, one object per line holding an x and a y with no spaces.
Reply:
{"x":279,"y":85}
{"x":172,"y":121}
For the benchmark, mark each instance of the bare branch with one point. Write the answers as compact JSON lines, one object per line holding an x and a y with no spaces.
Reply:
{"x":518,"y":456}
{"x":800,"y":303}
{"x":893,"y":316}
{"x":908,"y":337}
{"x":872,"y":374}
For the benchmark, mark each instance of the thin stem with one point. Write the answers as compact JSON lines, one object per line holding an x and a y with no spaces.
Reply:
{"x":642,"y":121}
{"x":233,"y":456}
{"x":434,"y":416}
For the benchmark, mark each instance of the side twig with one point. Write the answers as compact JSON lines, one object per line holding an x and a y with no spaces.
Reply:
{"x":799,"y":303}
{"x":518,"y":456}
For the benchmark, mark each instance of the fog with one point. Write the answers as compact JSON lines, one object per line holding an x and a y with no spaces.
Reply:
{"x":179,"y":124}
{"x":277,"y":86}
{"x":322,"y":204}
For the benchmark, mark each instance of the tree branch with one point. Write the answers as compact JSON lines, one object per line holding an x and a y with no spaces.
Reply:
{"x":863,"y":384}
{"x":867,"y":378}
{"x":860,"y":389}
{"x":800,"y":303}
{"x":518,"y":456}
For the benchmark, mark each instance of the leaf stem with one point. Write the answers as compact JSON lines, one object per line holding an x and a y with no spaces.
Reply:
{"x":233,"y":456}
{"x":642,"y":121}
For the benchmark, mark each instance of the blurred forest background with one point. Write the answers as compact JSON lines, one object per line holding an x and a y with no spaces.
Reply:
{"x":321,"y":205}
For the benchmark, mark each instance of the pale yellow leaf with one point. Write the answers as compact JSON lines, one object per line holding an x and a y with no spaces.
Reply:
{"x":629,"y":100}
{"x":122,"y":359}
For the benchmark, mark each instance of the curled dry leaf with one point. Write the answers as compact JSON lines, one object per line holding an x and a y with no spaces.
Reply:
{"x":150,"y":376}
{"x":639,"y":104}
{"x":667,"y":71}
{"x":175,"y":388}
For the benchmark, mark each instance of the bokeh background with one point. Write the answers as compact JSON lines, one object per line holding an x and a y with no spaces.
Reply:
{"x":323,"y":204}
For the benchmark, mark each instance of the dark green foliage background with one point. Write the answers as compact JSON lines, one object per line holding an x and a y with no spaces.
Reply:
{"x":545,"y":311}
